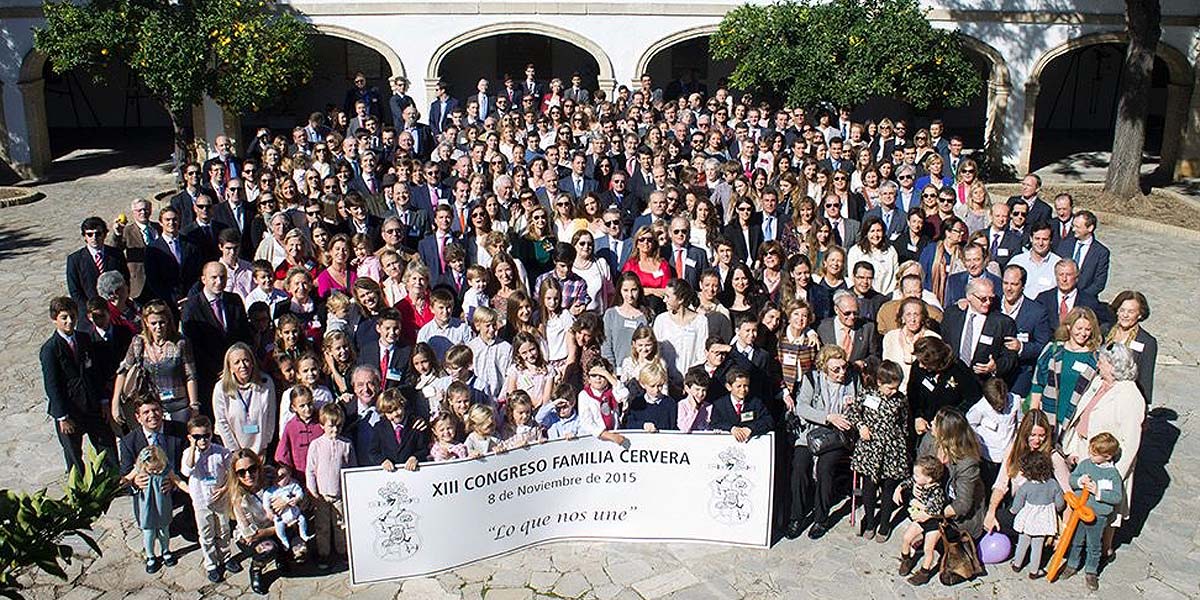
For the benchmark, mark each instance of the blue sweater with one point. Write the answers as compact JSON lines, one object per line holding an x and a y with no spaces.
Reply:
{"x":663,"y":413}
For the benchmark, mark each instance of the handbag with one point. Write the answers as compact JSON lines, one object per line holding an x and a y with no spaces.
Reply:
{"x":959,"y":562}
{"x":822,"y":439}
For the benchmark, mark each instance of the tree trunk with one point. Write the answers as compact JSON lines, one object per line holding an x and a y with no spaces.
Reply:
{"x":180,"y":155}
{"x":1143,"y":21}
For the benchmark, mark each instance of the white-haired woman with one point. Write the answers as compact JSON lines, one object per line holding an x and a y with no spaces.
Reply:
{"x":1112,"y":404}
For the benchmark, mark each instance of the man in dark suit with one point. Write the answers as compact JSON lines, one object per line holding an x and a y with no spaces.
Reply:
{"x":614,"y":246}
{"x":1066,"y":295}
{"x":73,"y":384}
{"x":231,"y":166}
{"x":1089,"y":254}
{"x":1003,"y":242}
{"x":530,"y":87}
{"x":183,"y":201}
{"x":172,"y":263}
{"x":85,"y":265}
{"x":978,"y":333}
{"x":577,"y":93}
{"x":203,"y":232}
{"x":415,"y":221}
{"x":715,"y":366}
{"x":975,"y":259}
{"x":1063,"y":221}
{"x":109,"y":341}
{"x":422,"y":135}
{"x":133,"y":241}
{"x":430,"y":192}
{"x":361,"y":221}
{"x":213,"y":320}
{"x":740,"y":412}
{"x":686,"y":260}
{"x":399,"y":100}
{"x":619,"y":195}
{"x":761,"y":365}
{"x":856,"y":336}
{"x":236,"y":213}
{"x":641,"y":178}
{"x":845,"y":231}
{"x":1031,"y":187}
{"x":432,"y":248}
{"x":151,"y":429}
{"x":1033,"y":328}
{"x":577,"y":183}
{"x":869,"y":300}
{"x":441,"y":107}
{"x":383,"y":348}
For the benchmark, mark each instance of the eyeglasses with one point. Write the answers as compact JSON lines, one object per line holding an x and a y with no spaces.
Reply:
{"x":967,"y":170}
{"x":613,"y":223}
{"x":833,"y":206}
{"x":91,"y":233}
{"x":836,"y":368}
{"x":984,"y":299}
{"x":1019,"y":214}
{"x":645,"y":240}
{"x":839,"y":178}
{"x":584,"y":243}
{"x":929,"y":195}
{"x":946,"y":200}
{"x":679,"y":231}
{"x":204,"y":206}
{"x":904,"y":176}
{"x":251,"y":470}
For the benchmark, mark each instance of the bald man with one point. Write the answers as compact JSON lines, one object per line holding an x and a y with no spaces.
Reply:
{"x":213,"y":320}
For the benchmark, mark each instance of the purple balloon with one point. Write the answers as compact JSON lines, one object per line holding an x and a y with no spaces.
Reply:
{"x":994,"y":547}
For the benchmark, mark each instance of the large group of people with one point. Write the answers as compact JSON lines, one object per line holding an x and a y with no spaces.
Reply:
{"x":542,"y":261}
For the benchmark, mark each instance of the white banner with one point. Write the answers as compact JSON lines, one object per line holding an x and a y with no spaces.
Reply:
{"x":661,"y":487}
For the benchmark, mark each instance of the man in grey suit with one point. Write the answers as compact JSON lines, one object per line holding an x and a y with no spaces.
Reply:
{"x":845,"y":231}
{"x":134,"y":238}
{"x":857,"y":336}
{"x":894,"y":221}
{"x":576,"y":93}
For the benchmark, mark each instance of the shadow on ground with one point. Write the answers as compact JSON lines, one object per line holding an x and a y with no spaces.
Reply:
{"x":16,"y":242}
{"x":1151,"y":479}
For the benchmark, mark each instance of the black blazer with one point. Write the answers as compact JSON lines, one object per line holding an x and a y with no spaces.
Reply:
{"x":928,"y":392}
{"x":754,"y":415}
{"x":224,"y":216}
{"x":169,"y":280}
{"x":765,"y":374}
{"x":72,"y":379}
{"x":1009,"y":246}
{"x":82,"y":273}
{"x":209,"y":340}
{"x":398,"y":363}
{"x":383,"y":445}
{"x":1093,"y":273}
{"x":173,"y":440}
{"x":205,"y":242}
{"x":695,"y":262}
{"x":109,"y":352}
{"x":733,"y":233}
{"x":996,"y":327}
{"x":1049,"y":300}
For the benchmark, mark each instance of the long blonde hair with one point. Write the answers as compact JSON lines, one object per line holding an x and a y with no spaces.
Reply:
{"x":229,"y":383}
{"x":230,"y":492}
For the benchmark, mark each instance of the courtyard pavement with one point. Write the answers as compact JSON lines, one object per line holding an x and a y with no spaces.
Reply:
{"x":1160,"y":561}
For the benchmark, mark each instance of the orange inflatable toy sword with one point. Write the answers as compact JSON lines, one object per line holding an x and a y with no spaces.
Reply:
{"x":1080,"y":511}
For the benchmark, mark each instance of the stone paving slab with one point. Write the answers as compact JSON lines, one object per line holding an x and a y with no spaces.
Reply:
{"x":1161,"y":562}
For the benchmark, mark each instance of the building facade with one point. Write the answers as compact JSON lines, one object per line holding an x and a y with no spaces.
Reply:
{"x":1052,"y":67}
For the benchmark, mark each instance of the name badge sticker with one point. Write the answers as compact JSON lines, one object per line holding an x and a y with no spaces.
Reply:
{"x":250,"y":428}
{"x":985,"y":340}
{"x":928,"y":383}
{"x":871,"y":402}
{"x":1001,"y":251}
{"x":748,"y":416}
{"x":1023,"y":338}
{"x":1080,"y":367}
{"x":1137,"y":346}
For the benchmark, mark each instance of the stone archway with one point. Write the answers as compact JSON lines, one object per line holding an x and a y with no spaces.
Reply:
{"x":605,"y":77}
{"x":999,"y":87}
{"x":648,"y":57}
{"x":1179,"y":92}
{"x":33,"y":97}
{"x":389,"y":54}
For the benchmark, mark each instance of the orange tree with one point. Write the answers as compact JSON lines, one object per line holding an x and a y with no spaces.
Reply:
{"x":241,"y":53}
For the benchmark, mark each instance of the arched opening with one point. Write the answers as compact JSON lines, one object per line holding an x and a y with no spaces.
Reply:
{"x":682,"y":66}
{"x":340,"y":54}
{"x":116,"y":113}
{"x":493,"y":50}
{"x":1076,"y":109}
{"x":507,"y":53}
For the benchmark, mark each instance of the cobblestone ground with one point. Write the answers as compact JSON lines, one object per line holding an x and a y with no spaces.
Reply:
{"x":1160,"y":562}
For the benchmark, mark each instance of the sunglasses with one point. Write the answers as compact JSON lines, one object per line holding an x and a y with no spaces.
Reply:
{"x":929,"y":195}
{"x":91,"y":233}
{"x":613,"y":223}
{"x":251,"y":470}
{"x":204,"y":206}
{"x":645,"y":240}
{"x":904,"y":177}
{"x":200,"y":436}
{"x":968,"y":170}
{"x":1019,"y":214}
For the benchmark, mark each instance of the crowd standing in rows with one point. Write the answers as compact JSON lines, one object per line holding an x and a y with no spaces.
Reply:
{"x":543,"y":262}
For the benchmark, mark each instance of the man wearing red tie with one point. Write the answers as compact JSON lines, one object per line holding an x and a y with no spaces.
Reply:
{"x":213,"y":320}
{"x":74,"y":387}
{"x":85,"y":265}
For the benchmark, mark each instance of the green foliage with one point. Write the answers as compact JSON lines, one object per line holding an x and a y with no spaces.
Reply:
{"x":845,"y":52}
{"x":242,"y":53}
{"x":33,"y":526}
